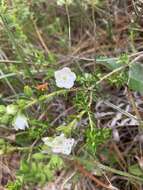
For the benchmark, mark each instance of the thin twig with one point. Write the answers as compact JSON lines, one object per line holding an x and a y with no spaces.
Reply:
{"x":131,"y":99}
{"x":120,"y":110}
{"x":66,"y":180}
{"x":8,"y":83}
{"x":69,"y":24}
{"x":83,"y":171}
{"x":63,"y":113}
{"x":41,"y":38}
{"x":9,"y":61}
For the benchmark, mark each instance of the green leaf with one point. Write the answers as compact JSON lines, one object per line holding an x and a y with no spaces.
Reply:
{"x":113,"y":63}
{"x":23,"y":139}
{"x":38,"y":156}
{"x":110,"y":63}
{"x":28,"y":91}
{"x":136,"y":170}
{"x":11,"y":109}
{"x":2,"y":109}
{"x":5,"y":119}
{"x":136,"y":77}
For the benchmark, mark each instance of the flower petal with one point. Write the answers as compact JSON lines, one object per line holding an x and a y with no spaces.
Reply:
{"x":65,"y":78}
{"x":20,"y":122}
{"x":60,"y":144}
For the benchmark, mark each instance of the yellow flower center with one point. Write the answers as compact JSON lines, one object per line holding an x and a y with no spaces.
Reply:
{"x":64,"y":78}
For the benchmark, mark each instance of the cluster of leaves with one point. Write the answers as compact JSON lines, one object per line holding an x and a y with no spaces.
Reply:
{"x":7,"y":116}
{"x":125,"y":72}
{"x":16,"y":185}
{"x":87,"y":81}
{"x":39,"y":171}
{"x":95,"y":137}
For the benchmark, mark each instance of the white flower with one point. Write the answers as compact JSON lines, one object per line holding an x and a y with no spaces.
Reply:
{"x":65,"y":78}
{"x":20,"y":122}
{"x":11,"y":109}
{"x":60,"y":144}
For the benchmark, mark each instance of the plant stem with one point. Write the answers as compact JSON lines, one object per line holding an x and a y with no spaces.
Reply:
{"x":69,"y":24}
{"x":108,"y":169}
{"x":17,"y":48}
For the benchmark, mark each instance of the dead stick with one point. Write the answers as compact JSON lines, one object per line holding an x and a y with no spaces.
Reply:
{"x":82,"y":170}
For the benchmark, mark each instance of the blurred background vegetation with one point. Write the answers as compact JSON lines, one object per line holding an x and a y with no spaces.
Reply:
{"x":101,"y":40}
